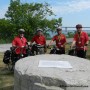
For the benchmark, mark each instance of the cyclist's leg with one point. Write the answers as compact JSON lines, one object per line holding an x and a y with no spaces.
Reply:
{"x":57,"y":51}
{"x":62,"y":51}
{"x":85,"y":53}
{"x":81,"y":53}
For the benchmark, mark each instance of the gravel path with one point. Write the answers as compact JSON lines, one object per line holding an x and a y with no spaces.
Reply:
{"x":4,"y":47}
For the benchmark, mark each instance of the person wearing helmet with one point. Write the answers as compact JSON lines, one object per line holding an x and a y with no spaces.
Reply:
{"x":39,"y":40}
{"x":19,"y":43}
{"x":80,"y":41}
{"x":60,"y":40}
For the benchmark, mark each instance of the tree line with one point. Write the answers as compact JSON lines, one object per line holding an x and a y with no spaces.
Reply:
{"x":28,"y":16}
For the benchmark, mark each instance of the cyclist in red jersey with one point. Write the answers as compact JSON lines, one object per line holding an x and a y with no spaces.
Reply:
{"x":19,"y":43}
{"x":81,"y":41}
{"x":60,"y":40}
{"x":39,"y":40}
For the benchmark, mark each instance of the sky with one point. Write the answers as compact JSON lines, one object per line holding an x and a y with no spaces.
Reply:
{"x":72,"y":11}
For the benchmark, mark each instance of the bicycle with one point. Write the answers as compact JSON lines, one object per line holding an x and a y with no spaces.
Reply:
{"x":56,"y":50}
{"x":38,"y":49}
{"x":10,"y":56}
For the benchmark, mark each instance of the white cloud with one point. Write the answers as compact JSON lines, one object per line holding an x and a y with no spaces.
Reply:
{"x":71,"y":6}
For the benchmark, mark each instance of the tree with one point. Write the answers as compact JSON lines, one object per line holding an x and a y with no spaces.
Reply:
{"x":70,"y":34}
{"x":30,"y":17}
{"x":6,"y":30}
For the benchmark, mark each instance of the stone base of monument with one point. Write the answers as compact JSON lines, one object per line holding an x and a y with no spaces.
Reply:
{"x":52,"y":72}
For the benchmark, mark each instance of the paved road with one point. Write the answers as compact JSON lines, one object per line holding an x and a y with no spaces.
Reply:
{"x":4,"y":47}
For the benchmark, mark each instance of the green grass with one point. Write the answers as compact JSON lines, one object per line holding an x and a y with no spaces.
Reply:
{"x":7,"y":77}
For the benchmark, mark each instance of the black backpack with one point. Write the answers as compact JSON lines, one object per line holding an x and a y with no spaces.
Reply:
{"x":7,"y":56}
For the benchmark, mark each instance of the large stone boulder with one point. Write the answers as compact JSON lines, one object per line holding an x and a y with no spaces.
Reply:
{"x":30,"y":76}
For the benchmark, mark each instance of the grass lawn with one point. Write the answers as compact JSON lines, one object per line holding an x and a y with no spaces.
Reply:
{"x":7,"y":77}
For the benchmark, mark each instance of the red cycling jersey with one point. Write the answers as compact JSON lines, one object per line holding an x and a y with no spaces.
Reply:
{"x":39,"y":39}
{"x":60,"y":40}
{"x":19,"y":43}
{"x":81,"y":40}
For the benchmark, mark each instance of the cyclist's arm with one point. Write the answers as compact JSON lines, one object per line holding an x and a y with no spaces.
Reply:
{"x":32,"y":40}
{"x":73,"y":44}
{"x":53,"y":39}
{"x":50,"y":42}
